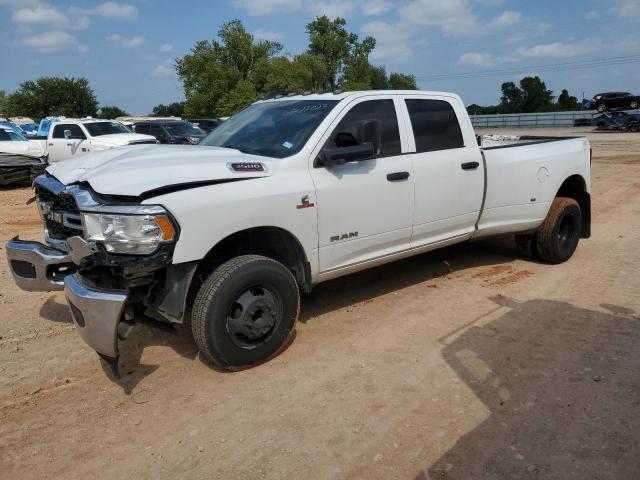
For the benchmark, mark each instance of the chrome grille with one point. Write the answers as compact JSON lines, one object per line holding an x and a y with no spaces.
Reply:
{"x":60,"y":213}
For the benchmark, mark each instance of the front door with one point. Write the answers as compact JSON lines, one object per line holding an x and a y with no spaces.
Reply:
{"x":61,"y":147}
{"x":365,"y":208}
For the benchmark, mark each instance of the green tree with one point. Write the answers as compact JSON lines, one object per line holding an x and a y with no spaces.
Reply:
{"x":300,"y":73}
{"x":400,"y":81}
{"x":243,"y":94}
{"x":175,"y":109}
{"x":378,"y":77}
{"x":567,"y":103}
{"x":3,"y":101}
{"x":511,"y":100}
{"x":48,"y":96}
{"x":213,"y":70}
{"x":111,"y":112}
{"x":341,"y":52}
{"x":536,"y":96}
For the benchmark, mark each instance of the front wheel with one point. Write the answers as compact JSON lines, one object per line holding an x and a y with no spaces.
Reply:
{"x":601,"y":107}
{"x":245,"y":312}
{"x":558,"y":236}
{"x":634,"y":104}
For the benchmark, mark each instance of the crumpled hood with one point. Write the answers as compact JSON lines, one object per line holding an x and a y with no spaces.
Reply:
{"x":117,"y":139}
{"x":135,"y":170}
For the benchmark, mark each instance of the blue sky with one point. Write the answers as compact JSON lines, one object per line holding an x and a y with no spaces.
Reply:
{"x":470,"y":47}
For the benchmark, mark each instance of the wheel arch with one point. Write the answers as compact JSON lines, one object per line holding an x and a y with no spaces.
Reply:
{"x":575,"y":187}
{"x":269,"y":241}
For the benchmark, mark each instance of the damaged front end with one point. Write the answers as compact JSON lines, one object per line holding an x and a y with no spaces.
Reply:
{"x":106,"y":290}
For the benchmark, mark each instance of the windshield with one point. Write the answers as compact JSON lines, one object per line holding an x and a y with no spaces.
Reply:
{"x":177,"y":129}
{"x":273,"y":129}
{"x":15,"y":130}
{"x":105,"y":128}
{"x":10,"y":136}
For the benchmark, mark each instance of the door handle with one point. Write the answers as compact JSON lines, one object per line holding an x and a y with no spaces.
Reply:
{"x":394,"y":177}
{"x":69,"y":144}
{"x":470,"y":165}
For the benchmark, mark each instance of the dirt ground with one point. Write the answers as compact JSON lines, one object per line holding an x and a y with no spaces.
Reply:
{"x":464,"y":363}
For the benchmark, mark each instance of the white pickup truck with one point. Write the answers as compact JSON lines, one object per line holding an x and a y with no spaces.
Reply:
{"x":71,"y":138}
{"x":286,"y":194}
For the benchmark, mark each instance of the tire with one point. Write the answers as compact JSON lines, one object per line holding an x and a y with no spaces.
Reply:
{"x":634,"y":104}
{"x":558,"y":236}
{"x":601,"y":107}
{"x":245,"y":312}
{"x":600,"y":125}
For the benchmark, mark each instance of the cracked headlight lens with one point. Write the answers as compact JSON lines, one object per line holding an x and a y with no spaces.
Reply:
{"x":129,"y":234}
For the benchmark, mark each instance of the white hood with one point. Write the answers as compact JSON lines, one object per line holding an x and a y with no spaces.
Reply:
{"x":135,"y":170}
{"x":30,"y":149}
{"x":118,"y":139}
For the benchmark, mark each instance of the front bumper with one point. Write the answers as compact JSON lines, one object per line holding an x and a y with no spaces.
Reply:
{"x":96,"y":313}
{"x":36,"y":267}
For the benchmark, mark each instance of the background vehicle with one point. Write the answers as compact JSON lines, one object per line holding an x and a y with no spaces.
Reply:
{"x":20,"y":160}
{"x":615,"y":101}
{"x":286,"y":194}
{"x":14,"y":128}
{"x":30,"y":129}
{"x":206,"y":124}
{"x":74,"y":137}
{"x":619,"y":119}
{"x":171,"y":131}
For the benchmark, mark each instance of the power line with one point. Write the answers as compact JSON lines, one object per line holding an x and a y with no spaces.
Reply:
{"x":592,"y":63}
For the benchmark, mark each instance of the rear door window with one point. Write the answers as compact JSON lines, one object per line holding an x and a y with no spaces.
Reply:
{"x":435,"y":125}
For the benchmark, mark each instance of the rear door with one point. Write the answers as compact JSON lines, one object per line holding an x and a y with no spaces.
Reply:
{"x":365,"y":208}
{"x":448,"y":170}
{"x":60,"y":147}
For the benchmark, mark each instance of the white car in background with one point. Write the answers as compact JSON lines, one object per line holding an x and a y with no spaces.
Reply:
{"x":70,"y":138}
{"x":20,"y":160}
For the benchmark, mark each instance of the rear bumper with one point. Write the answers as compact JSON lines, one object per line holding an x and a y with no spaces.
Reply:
{"x":36,"y":267}
{"x":96,"y":313}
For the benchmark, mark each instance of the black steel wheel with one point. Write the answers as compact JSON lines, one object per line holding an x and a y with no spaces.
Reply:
{"x":245,"y":312}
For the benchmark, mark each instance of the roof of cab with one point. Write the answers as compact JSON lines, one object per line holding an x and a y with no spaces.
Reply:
{"x":355,"y":93}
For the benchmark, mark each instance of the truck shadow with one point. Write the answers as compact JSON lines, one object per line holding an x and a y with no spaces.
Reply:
{"x":148,"y":333}
{"x":368,"y":284}
{"x":562,"y":385}
{"x":326,"y":297}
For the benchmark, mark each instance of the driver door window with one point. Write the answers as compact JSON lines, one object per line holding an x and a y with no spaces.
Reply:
{"x":352,"y":129}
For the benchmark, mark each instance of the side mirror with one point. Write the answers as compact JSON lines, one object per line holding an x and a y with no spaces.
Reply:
{"x":67,"y":134}
{"x":339,"y":156}
{"x":369,"y":131}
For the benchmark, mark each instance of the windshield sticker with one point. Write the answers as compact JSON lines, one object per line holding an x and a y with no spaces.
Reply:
{"x":307,"y":108}
{"x":287,"y":145}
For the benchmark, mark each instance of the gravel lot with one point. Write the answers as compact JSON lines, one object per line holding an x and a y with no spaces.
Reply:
{"x":464,"y":363}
